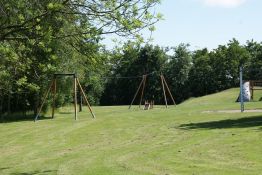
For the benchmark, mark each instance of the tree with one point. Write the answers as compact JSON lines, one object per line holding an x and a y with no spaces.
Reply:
{"x":200,"y":76}
{"x":253,"y":69}
{"x":38,"y":38}
{"x":225,"y":63}
{"x":21,"y":19}
{"x":177,"y":72}
{"x":133,"y":63}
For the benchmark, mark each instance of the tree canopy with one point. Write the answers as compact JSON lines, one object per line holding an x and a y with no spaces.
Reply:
{"x":41,"y":37}
{"x":36,"y":19}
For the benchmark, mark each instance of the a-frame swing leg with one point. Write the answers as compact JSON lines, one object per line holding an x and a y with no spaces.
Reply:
{"x":168,"y":90}
{"x":144,"y":83}
{"x":83,"y":93}
{"x":46,"y":94}
{"x":164,"y":92}
{"x":137,"y":91}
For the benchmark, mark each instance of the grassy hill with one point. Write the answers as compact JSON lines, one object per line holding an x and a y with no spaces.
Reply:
{"x":180,"y":140}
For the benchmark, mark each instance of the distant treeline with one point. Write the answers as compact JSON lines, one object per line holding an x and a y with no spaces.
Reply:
{"x":188,"y":73}
{"x":116,"y":78}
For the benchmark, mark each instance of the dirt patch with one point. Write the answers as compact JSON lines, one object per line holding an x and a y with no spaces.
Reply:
{"x":234,"y":111}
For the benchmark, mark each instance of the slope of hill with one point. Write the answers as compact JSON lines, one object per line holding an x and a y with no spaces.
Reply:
{"x":178,"y":140}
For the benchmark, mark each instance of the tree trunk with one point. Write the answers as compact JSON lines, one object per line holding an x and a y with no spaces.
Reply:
{"x":17,"y":103}
{"x":1,"y":108}
{"x":24,"y":107}
{"x":36,"y":104}
{"x":80,"y":103}
{"x":9,"y":103}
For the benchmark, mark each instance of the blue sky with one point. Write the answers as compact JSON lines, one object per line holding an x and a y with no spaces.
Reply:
{"x":207,"y":23}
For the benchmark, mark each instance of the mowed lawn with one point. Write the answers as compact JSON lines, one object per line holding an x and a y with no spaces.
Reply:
{"x":179,"y":140}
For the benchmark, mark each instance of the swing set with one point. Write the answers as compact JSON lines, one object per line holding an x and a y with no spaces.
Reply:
{"x":150,"y":104}
{"x":53,"y":88}
{"x":141,"y":87}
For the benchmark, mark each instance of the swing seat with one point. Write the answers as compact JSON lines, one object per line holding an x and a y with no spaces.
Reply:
{"x":147,"y":106}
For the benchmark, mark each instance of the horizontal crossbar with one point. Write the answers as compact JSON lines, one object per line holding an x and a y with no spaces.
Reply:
{"x":65,"y":74}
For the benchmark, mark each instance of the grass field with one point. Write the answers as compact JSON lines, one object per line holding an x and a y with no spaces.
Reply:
{"x":178,"y":140}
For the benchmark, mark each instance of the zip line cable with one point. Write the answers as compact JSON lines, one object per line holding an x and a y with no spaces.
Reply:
{"x":116,"y":77}
{"x":130,"y":77}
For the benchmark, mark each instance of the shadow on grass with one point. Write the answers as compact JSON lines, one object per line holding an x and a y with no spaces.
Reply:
{"x":17,"y":118}
{"x":66,"y":112}
{"x":4,"y":168}
{"x":37,"y":172}
{"x":246,"y":122}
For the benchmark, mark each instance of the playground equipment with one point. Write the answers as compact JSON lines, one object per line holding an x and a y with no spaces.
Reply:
{"x":149,"y":105}
{"x":53,"y":87}
{"x":255,"y":85}
{"x":246,"y":92}
{"x":142,"y":88}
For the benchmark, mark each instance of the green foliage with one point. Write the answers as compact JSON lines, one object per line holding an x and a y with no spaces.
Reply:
{"x":133,"y":63}
{"x":201,"y":74}
{"x":225,"y":62}
{"x":219,"y":69}
{"x":39,"y":38}
{"x":177,"y":72}
{"x":75,"y":18}
{"x":187,"y":73}
{"x":254,"y":66}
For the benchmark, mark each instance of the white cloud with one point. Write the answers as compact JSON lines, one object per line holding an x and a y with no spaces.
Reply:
{"x":224,"y":3}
